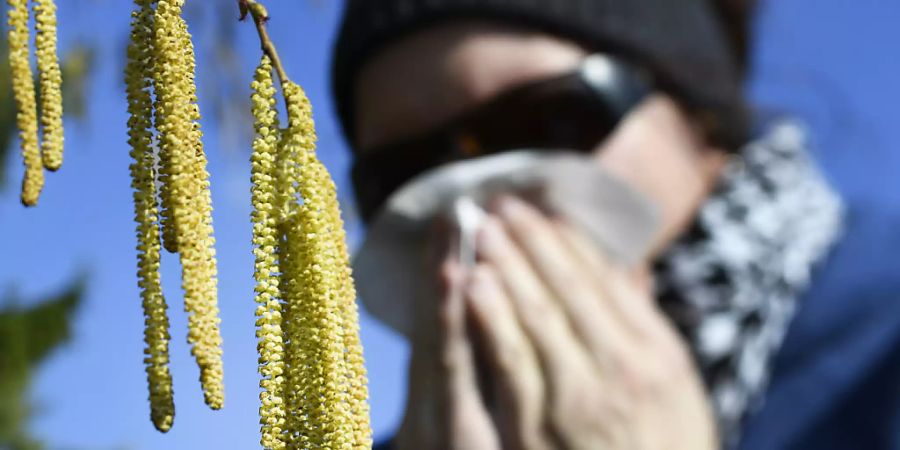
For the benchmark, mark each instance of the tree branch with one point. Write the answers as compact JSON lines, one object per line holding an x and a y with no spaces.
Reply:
{"x":260,"y":17}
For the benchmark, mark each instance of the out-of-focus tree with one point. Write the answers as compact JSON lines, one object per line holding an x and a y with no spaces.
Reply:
{"x":28,"y":335}
{"x":76,"y":68}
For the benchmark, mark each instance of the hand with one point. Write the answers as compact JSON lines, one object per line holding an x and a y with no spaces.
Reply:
{"x":577,"y":355}
{"x":445,"y":408}
{"x":580,"y":357}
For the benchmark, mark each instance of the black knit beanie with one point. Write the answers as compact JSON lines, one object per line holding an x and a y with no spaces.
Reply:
{"x":681,"y":42}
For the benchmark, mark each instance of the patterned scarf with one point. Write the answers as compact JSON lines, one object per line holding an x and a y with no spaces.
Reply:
{"x":732,"y":282}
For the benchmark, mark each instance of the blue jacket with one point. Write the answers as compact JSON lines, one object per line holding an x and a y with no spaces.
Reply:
{"x":836,"y":381}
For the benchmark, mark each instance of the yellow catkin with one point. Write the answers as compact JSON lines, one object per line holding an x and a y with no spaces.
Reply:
{"x":203,"y":199}
{"x":166,"y":220}
{"x":356,"y":369}
{"x":265,"y":219}
{"x":188,"y":191}
{"x":326,"y":378}
{"x":138,"y":74}
{"x":26,"y":107}
{"x":299,"y":354}
{"x":50,"y":83}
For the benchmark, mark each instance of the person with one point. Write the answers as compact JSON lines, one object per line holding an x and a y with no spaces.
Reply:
{"x":547,"y":342}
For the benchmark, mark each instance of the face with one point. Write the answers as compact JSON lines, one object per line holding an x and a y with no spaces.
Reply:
{"x":427,"y":79}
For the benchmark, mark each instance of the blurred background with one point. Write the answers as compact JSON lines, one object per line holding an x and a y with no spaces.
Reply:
{"x":71,"y":325}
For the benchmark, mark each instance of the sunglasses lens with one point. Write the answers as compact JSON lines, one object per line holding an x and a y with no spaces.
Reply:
{"x":560,"y":114}
{"x":563,"y":115}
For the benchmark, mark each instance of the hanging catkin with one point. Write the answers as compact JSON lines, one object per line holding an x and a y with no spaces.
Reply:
{"x":314,"y":392}
{"x":24,"y":93}
{"x":311,"y":335}
{"x":51,"y":84}
{"x":265,"y":240}
{"x":37,"y":155}
{"x":172,"y":198}
{"x":188,"y":188}
{"x":138,"y":73}
{"x":327,"y":399}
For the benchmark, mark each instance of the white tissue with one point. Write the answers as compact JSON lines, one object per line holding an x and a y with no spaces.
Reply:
{"x":390,"y":270}
{"x":468,"y":216}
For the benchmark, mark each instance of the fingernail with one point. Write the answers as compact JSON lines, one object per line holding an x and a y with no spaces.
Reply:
{"x":511,"y":208}
{"x":488,"y":235}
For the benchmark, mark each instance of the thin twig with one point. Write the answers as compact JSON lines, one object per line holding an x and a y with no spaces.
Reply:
{"x":260,"y":17}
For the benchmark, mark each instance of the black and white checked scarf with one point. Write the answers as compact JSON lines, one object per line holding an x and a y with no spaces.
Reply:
{"x":731,"y":283}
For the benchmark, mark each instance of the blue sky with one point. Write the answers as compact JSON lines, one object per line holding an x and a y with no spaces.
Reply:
{"x":833,"y":62}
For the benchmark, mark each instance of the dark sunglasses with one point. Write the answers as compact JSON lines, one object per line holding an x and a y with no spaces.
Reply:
{"x":575,"y":111}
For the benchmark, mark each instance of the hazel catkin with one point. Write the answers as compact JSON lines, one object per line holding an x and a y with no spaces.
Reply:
{"x":50,"y":83}
{"x":325,"y":372}
{"x":173,"y":202}
{"x":322,"y":400}
{"x":266,"y":237}
{"x":138,"y":73}
{"x":188,"y":188}
{"x":307,"y":319}
{"x":24,"y":93}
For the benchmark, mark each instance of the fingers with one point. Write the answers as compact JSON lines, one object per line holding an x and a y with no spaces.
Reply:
{"x":560,"y":352}
{"x":630,"y":294}
{"x":633,"y":308}
{"x":469,"y":422}
{"x":583,"y":300}
{"x":513,"y":366}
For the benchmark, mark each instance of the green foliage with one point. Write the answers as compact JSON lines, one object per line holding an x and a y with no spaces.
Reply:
{"x":27,"y":336}
{"x":76,"y":69}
